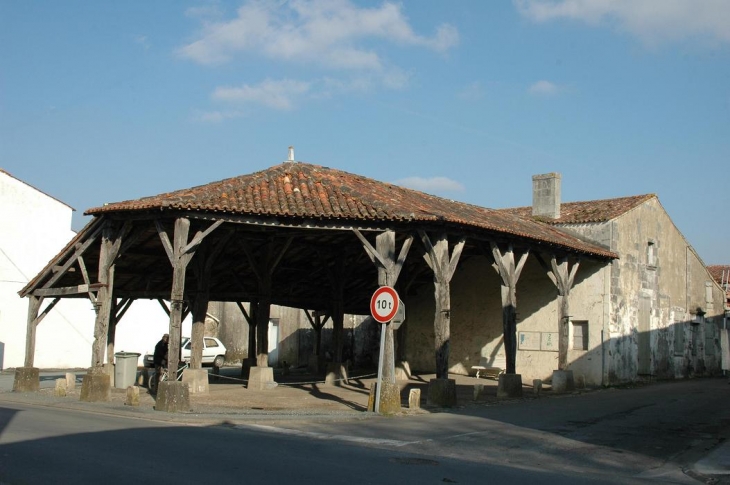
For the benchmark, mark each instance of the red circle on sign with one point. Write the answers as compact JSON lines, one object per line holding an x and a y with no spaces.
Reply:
{"x":384,"y":304}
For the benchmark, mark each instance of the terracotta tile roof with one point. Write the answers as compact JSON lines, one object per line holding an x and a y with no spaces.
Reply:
{"x":720,"y":273}
{"x":587,"y":211}
{"x":301,"y":190}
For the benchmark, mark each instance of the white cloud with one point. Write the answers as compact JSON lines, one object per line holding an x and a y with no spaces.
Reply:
{"x":653,"y":21}
{"x":217,"y":116}
{"x":431,"y":185}
{"x":331,"y":33}
{"x":472,"y":92}
{"x":274,"y":94}
{"x":543,"y":88}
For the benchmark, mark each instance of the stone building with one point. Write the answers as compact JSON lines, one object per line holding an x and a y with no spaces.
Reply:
{"x":655,"y":311}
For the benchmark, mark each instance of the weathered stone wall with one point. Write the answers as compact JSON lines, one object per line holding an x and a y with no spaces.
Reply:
{"x":655,"y":288}
{"x":476,"y":320}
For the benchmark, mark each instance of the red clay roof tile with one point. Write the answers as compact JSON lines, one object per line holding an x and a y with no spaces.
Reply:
{"x":326,"y":193}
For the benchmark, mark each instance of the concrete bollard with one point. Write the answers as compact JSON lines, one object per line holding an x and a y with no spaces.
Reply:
{"x":70,"y":381}
{"x":478,"y":391}
{"x":132,"y":396}
{"x":371,"y":397}
{"x":537,"y":386}
{"x":60,"y":390}
{"x":414,"y":399}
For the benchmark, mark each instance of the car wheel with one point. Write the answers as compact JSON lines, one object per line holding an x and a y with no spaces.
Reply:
{"x":218,"y":361}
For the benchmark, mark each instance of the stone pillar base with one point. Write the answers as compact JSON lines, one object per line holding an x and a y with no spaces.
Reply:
{"x":402,"y":371}
{"x":96,"y":386}
{"x":389,"y":398}
{"x":261,"y":378}
{"x":562,"y":381}
{"x":510,"y":385}
{"x":197,"y":380}
{"x":441,"y":393}
{"x":173,"y":397}
{"x":27,"y":379}
{"x":414,"y":399}
{"x":336,"y":374}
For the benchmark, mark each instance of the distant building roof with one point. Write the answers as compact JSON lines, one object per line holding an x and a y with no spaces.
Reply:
{"x":587,"y":211}
{"x":720,"y":273}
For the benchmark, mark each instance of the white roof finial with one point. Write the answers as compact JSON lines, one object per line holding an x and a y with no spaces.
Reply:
{"x":291,"y":154}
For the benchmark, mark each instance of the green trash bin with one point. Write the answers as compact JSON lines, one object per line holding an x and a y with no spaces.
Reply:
{"x":125,"y":370}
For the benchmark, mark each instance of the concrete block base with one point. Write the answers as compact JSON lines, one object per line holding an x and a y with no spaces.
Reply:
{"x":197,"y":380}
{"x":389,"y":398}
{"x":60,"y":389}
{"x":70,"y":381}
{"x":132,"y":396}
{"x":478,"y":391}
{"x":371,"y":397}
{"x":537,"y":386}
{"x":414,"y":399}
{"x":261,"y":378}
{"x":336,"y":374}
{"x":510,"y":385}
{"x":96,"y":386}
{"x":27,"y":379}
{"x":562,"y":381}
{"x":402,"y":371}
{"x":173,"y":397}
{"x":441,"y":393}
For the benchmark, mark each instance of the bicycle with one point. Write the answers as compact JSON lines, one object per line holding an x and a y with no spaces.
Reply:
{"x":164,"y":375}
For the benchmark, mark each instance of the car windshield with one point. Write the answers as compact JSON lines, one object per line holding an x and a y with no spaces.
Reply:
{"x":184,"y":341}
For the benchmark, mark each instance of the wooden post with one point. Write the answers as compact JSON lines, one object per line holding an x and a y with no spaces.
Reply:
{"x":262,"y":327}
{"x":177,"y":293}
{"x":509,"y":272}
{"x":203,"y":270}
{"x":112,"y":331}
{"x":389,"y":268}
{"x":263,"y":268}
{"x":563,"y":276}
{"x":34,"y":305}
{"x":443,"y":267}
{"x":104,"y":297}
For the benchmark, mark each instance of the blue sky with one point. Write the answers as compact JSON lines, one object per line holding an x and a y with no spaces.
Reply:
{"x":107,"y":101}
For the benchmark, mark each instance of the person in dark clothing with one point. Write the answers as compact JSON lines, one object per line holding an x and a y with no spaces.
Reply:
{"x":160,"y":358}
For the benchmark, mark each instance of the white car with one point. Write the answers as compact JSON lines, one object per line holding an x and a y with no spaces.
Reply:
{"x":214,"y":352}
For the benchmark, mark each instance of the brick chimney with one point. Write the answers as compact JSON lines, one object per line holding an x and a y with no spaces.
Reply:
{"x":546,"y":195}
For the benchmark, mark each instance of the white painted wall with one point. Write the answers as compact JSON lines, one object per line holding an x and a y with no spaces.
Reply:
{"x":35,"y":227}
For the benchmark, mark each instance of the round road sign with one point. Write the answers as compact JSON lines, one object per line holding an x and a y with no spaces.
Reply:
{"x":384,"y":304}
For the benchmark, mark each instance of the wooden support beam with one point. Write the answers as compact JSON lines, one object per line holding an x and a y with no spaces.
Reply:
{"x":62,"y":291}
{"x":509,"y":272}
{"x":562,"y":274}
{"x":443,"y":266}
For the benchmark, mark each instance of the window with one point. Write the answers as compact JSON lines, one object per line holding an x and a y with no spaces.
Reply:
{"x":651,"y":254}
{"x":209,"y":342}
{"x":580,"y":335}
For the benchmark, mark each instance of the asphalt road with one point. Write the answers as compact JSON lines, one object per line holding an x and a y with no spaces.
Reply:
{"x":649,"y":434}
